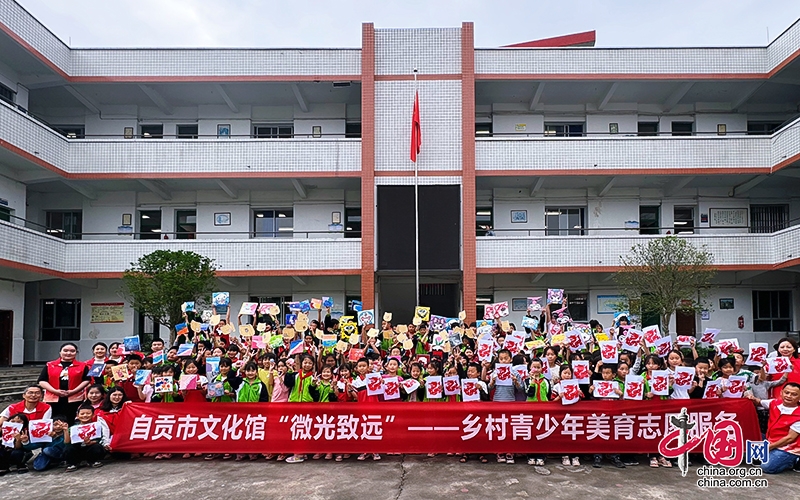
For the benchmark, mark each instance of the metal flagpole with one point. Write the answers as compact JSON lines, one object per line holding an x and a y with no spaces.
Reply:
{"x":416,"y":210}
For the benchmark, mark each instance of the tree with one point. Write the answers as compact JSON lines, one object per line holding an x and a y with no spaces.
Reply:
{"x":158,"y":283}
{"x":666,"y":275}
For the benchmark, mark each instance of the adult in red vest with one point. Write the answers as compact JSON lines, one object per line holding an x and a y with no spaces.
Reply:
{"x":31,"y":406}
{"x":783,"y":430}
{"x":63,"y":381}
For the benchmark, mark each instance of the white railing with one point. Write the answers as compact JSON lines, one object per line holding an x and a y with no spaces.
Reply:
{"x":32,"y":248}
{"x":542,"y":252}
{"x":168,"y":156}
{"x":665,"y":153}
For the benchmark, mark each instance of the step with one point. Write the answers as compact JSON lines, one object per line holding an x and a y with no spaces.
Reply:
{"x":6,"y":386}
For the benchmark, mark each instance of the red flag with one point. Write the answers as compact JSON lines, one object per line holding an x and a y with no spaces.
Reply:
{"x":416,"y":133}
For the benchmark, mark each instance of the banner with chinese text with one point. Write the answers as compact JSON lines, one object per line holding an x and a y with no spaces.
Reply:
{"x":586,"y":427}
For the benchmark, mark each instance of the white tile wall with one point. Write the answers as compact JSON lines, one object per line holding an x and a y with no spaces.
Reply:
{"x":440,"y":120}
{"x":25,"y":246}
{"x":15,"y":17}
{"x":408,"y":180}
{"x":506,"y":153}
{"x":430,"y":50}
{"x":178,"y":156}
{"x":591,"y":251}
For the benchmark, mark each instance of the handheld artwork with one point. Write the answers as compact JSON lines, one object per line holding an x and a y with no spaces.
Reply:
{"x":709,"y":335}
{"x":410,"y":385}
{"x":555,"y":295}
{"x":366,"y":317}
{"x":570,"y":392}
{"x":663,"y":346}
{"x":778,"y":365}
{"x":39,"y":430}
{"x":514,"y":342}
{"x":79,"y":433}
{"x":374,"y":384}
{"x":605,"y":389}
{"x":97,"y":369}
{"x":220,"y":301}
{"x":521,"y":372}
{"x":634,"y":387}
{"x":632,"y":340}
{"x":142,"y":377}
{"x":187,"y":382}
{"x":215,"y":389}
{"x":162,"y":385}
{"x":391,"y":388}
{"x":580,"y":371}
{"x":533,"y":304}
{"x":433,"y":387}
{"x":503,"y":374}
{"x":327,"y":302}
{"x":120,"y":373}
{"x":659,"y":383}
{"x":684,"y":340}
{"x":651,"y":335}
{"x":735,"y":387}
{"x":212,"y":365}
{"x":470,"y":390}
{"x":528,"y":322}
{"x":132,"y":343}
{"x":9,"y":429}
{"x":609,"y":352}
{"x":683,"y":378}
{"x":437,"y":323}
{"x":185,"y":350}
{"x":248,"y":309}
{"x":452,"y":385}
{"x":712,"y":389}
{"x":187,"y":307}
{"x":423,"y":313}
{"x":485,"y":349}
{"x":727,"y":347}
{"x":159,"y":357}
{"x":575,"y":340}
{"x":758,"y":353}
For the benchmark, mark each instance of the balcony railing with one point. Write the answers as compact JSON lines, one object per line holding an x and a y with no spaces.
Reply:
{"x":202,"y":157}
{"x":243,"y":256}
{"x":583,"y":253}
{"x":616,"y":153}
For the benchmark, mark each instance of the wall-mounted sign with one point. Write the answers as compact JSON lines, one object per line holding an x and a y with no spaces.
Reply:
{"x":108,"y":312}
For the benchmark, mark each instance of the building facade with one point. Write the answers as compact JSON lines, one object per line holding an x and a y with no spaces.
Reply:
{"x":539,"y":168}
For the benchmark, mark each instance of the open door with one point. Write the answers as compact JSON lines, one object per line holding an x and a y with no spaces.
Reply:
{"x":6,"y":337}
{"x":685,"y":323}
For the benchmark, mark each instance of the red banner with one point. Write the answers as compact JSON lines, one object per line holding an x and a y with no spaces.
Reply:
{"x":586,"y":427}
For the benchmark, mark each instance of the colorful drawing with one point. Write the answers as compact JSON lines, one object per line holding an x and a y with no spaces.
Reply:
{"x":555,"y":295}
{"x":97,"y":369}
{"x":132,"y":344}
{"x":185,"y":350}
{"x":162,"y":385}
{"x":142,"y":377}
{"x":248,"y":308}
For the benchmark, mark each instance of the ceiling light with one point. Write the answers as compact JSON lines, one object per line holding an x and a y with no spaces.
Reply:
{"x":158,"y":230}
{"x":260,"y":216}
{"x":145,"y":216}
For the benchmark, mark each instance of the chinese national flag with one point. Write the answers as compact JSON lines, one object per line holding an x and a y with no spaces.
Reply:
{"x":416,"y":134}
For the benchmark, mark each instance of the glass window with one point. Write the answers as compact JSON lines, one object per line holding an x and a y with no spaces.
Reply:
{"x":7,"y":94}
{"x":66,"y":225}
{"x":484,"y":221}
{"x":150,"y":224}
{"x":772,"y":311}
{"x":649,"y":219}
{"x":762,"y":128}
{"x":352,"y":222}
{"x":648,"y":128}
{"x":71,"y":131}
{"x":578,"y":304}
{"x":563,"y":129}
{"x":61,"y":319}
{"x":152,"y":131}
{"x":185,"y":224}
{"x":276,"y":131}
{"x":561,"y":221}
{"x":483,"y":129}
{"x":683,"y":220}
{"x":768,"y":218}
{"x":682,"y":128}
{"x":5,"y":214}
{"x":481,"y":302}
{"x":187,"y":131}
{"x":352,"y":129}
{"x":277,"y":223}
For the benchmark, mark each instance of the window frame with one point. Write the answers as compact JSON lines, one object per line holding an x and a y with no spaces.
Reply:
{"x":759,"y":325}
{"x":60,"y":232}
{"x":75,"y":328}
{"x":548,"y":231}
{"x":275,"y":232}
{"x":565,"y":129}
{"x":276,"y":134}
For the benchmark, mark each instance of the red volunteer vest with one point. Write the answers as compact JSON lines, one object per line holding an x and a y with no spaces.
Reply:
{"x":779,"y":425}
{"x":75,"y":372}
{"x":38,"y":412}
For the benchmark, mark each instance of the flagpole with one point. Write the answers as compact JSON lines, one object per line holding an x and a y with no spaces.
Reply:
{"x":416,"y":213}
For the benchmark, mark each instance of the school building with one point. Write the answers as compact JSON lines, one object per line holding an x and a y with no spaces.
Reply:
{"x":540,"y":165}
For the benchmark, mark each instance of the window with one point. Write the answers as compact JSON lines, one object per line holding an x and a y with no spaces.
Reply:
{"x":578,"y":306}
{"x":150,"y":224}
{"x":185,"y":224}
{"x":61,"y":319}
{"x":772,"y":311}
{"x":648,"y":128}
{"x":352,"y":129}
{"x":273,"y":223}
{"x":187,"y":131}
{"x":481,"y":302}
{"x":352,"y":222}
{"x":682,"y":128}
{"x":768,"y":218}
{"x":71,"y":131}
{"x":66,"y":225}
{"x":564,"y":221}
{"x":649,"y":219}
{"x":484,"y":221}
{"x":483,"y":129}
{"x":152,"y":131}
{"x":146,"y":328}
{"x":762,"y":128}
{"x":7,"y":94}
{"x":277,"y":131}
{"x":5,"y":214}
{"x":683,"y":220}
{"x":563,"y":129}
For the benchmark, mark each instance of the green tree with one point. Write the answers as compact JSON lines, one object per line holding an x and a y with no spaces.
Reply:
{"x":158,"y":283}
{"x":666,"y":275}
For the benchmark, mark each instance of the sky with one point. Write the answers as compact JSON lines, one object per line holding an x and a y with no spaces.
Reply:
{"x":315,"y":23}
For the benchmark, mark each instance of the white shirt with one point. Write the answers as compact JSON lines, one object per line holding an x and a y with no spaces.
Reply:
{"x":785,"y":410}
{"x":7,"y":414}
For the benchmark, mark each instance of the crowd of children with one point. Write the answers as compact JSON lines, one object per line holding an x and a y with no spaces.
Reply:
{"x":327,"y":360}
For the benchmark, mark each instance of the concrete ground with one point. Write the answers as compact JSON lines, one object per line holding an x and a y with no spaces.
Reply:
{"x":412,"y":477}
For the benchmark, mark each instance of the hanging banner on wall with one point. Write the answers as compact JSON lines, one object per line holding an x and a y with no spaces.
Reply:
{"x":108,"y":312}
{"x":585,"y":427}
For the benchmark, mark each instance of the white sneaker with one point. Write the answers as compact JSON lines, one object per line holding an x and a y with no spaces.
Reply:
{"x":540,"y":461}
{"x":532,"y":461}
{"x":565,"y":461}
{"x":576,"y":462}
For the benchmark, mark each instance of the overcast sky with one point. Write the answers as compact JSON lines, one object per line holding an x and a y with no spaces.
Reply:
{"x":317,"y":23}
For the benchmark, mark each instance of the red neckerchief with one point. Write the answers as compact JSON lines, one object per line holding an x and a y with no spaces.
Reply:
{"x":301,"y":379}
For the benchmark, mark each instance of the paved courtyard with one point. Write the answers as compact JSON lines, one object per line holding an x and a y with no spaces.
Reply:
{"x":412,"y":477}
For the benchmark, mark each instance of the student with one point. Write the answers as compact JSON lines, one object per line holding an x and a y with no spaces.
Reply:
{"x":250,"y":389}
{"x":52,"y":453}
{"x":538,"y":392}
{"x":565,"y":373}
{"x":553,"y":363}
{"x":674,"y":360}
{"x":701,"y":377}
{"x":362,"y":368}
{"x":156,"y":345}
{"x":134,"y":365}
{"x":276,"y":380}
{"x":608,"y":372}
{"x":504,"y":393}
{"x":652,"y":363}
{"x":227,"y":377}
{"x":473,"y":371}
{"x":299,"y":383}
{"x":30,"y":406}
{"x":322,"y":391}
{"x":197,"y":395}
{"x":14,"y":458}
{"x":90,"y":450}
